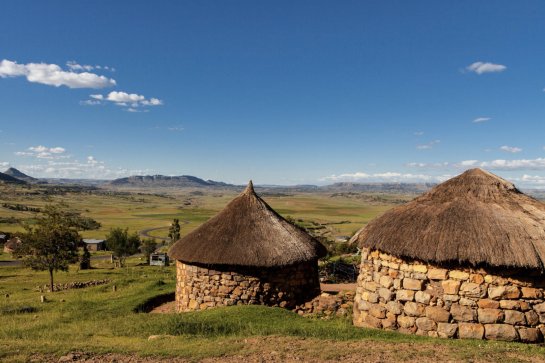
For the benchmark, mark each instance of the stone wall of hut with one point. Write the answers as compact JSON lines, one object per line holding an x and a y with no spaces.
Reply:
{"x":202,"y":287}
{"x":416,"y":298}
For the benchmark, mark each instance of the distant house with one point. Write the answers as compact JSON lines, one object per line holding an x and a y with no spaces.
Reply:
{"x":158,"y":259}
{"x":12,"y":244}
{"x":95,"y":244}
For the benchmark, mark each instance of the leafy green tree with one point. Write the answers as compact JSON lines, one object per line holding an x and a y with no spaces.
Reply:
{"x":174,"y":231}
{"x":51,"y":243}
{"x":148,"y":247}
{"x":122,"y":244}
{"x":85,"y":259}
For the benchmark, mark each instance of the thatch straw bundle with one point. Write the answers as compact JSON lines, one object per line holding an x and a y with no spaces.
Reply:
{"x":476,"y":219}
{"x":247,"y":232}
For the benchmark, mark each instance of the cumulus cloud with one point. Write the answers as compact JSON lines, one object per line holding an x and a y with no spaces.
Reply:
{"x":132,"y":102}
{"x":392,"y":177}
{"x":481,"y":119}
{"x":497,"y":164}
{"x":510,"y":149}
{"x":485,"y":67}
{"x":76,"y":67}
{"x":429,"y":145}
{"x":44,"y":152}
{"x":53,"y":75}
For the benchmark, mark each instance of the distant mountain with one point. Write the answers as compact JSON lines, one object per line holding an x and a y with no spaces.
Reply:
{"x":8,"y":179}
{"x":21,"y":176}
{"x":183,"y":181}
{"x":416,"y":188}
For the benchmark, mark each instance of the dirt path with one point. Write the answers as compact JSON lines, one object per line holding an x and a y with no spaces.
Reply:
{"x":145,"y":232}
{"x":275,"y":349}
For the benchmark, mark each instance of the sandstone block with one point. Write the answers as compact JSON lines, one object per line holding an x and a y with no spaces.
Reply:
{"x":462,"y":313}
{"x":470,"y":331}
{"x":437,"y":274}
{"x":370,"y":286}
{"x":425,"y":324}
{"x":458,"y":275}
{"x":420,"y":268}
{"x":540,"y":308}
{"x":450,"y":287}
{"x":385,"y":294}
{"x":531,"y":317}
{"x":490,"y":316}
{"x":437,"y":314}
{"x":530,"y":335}
{"x":504,"y":332}
{"x":524,"y":305}
{"x":394,"y":307}
{"x":372,"y":322}
{"x":514,"y":317}
{"x":476,"y":278}
{"x":471,"y":289}
{"x":451,"y":298}
{"x":510,"y":304}
{"x":405,"y":295}
{"x":405,"y":321}
{"x":422,"y":297}
{"x":386,"y":281}
{"x":413,"y":309}
{"x":503,"y":292}
{"x":467,"y":302}
{"x":412,"y":284}
{"x":369,"y":296}
{"x":445,"y":330}
{"x":377,"y":311}
{"x":488,"y":304}
{"x":531,"y":293}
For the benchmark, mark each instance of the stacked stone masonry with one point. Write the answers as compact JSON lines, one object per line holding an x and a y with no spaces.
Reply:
{"x":204,"y":287}
{"x":416,"y":298}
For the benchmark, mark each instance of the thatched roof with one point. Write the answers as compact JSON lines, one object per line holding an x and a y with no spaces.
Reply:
{"x":247,"y":232}
{"x":476,"y":218}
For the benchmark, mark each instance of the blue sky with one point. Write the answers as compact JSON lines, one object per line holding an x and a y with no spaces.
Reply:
{"x":284,"y":92}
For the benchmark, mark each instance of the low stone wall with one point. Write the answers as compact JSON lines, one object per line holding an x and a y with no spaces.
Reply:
{"x":415,"y":298}
{"x":73,"y":285}
{"x":327,"y":305}
{"x":204,"y":287}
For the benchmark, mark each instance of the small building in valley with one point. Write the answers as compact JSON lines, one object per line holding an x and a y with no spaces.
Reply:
{"x":246,"y":254}
{"x":158,"y":259}
{"x":95,"y":244}
{"x":465,"y":260}
{"x":11,"y":245}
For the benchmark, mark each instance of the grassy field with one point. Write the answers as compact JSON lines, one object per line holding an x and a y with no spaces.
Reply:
{"x":98,"y":320}
{"x":139,"y":211}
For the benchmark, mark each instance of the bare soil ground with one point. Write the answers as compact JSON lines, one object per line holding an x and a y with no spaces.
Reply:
{"x":287,"y":349}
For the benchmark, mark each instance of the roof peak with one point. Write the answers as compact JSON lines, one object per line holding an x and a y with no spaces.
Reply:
{"x":249,"y":188}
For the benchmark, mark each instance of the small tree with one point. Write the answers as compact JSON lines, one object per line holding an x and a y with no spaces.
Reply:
{"x":85,"y":259}
{"x":51,"y":243}
{"x":122,"y":244}
{"x":174,"y":230}
{"x":148,"y":247}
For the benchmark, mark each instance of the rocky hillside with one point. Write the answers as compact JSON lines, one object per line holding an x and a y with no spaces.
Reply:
{"x":21,"y":176}
{"x":183,"y":181}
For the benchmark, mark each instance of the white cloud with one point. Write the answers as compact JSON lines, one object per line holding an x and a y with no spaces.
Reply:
{"x":4,"y":164}
{"x":175,"y":128}
{"x":485,"y":67}
{"x":89,"y":103}
{"x":498,"y":164}
{"x":392,"y":177}
{"x":418,"y":133}
{"x":44,"y":152}
{"x":53,"y":75}
{"x":481,"y":119}
{"x":510,"y":149}
{"x":429,"y":145}
{"x":131,"y":101}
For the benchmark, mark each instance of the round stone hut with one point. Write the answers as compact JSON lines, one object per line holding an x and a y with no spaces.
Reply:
{"x":465,"y":260}
{"x":246,"y":254}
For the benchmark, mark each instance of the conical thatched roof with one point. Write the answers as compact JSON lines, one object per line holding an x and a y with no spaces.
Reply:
{"x":476,"y":218}
{"x":247,"y":232}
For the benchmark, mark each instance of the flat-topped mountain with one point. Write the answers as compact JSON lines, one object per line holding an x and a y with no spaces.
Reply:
{"x":380,"y":187}
{"x":21,"y":176}
{"x":166,"y":181}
